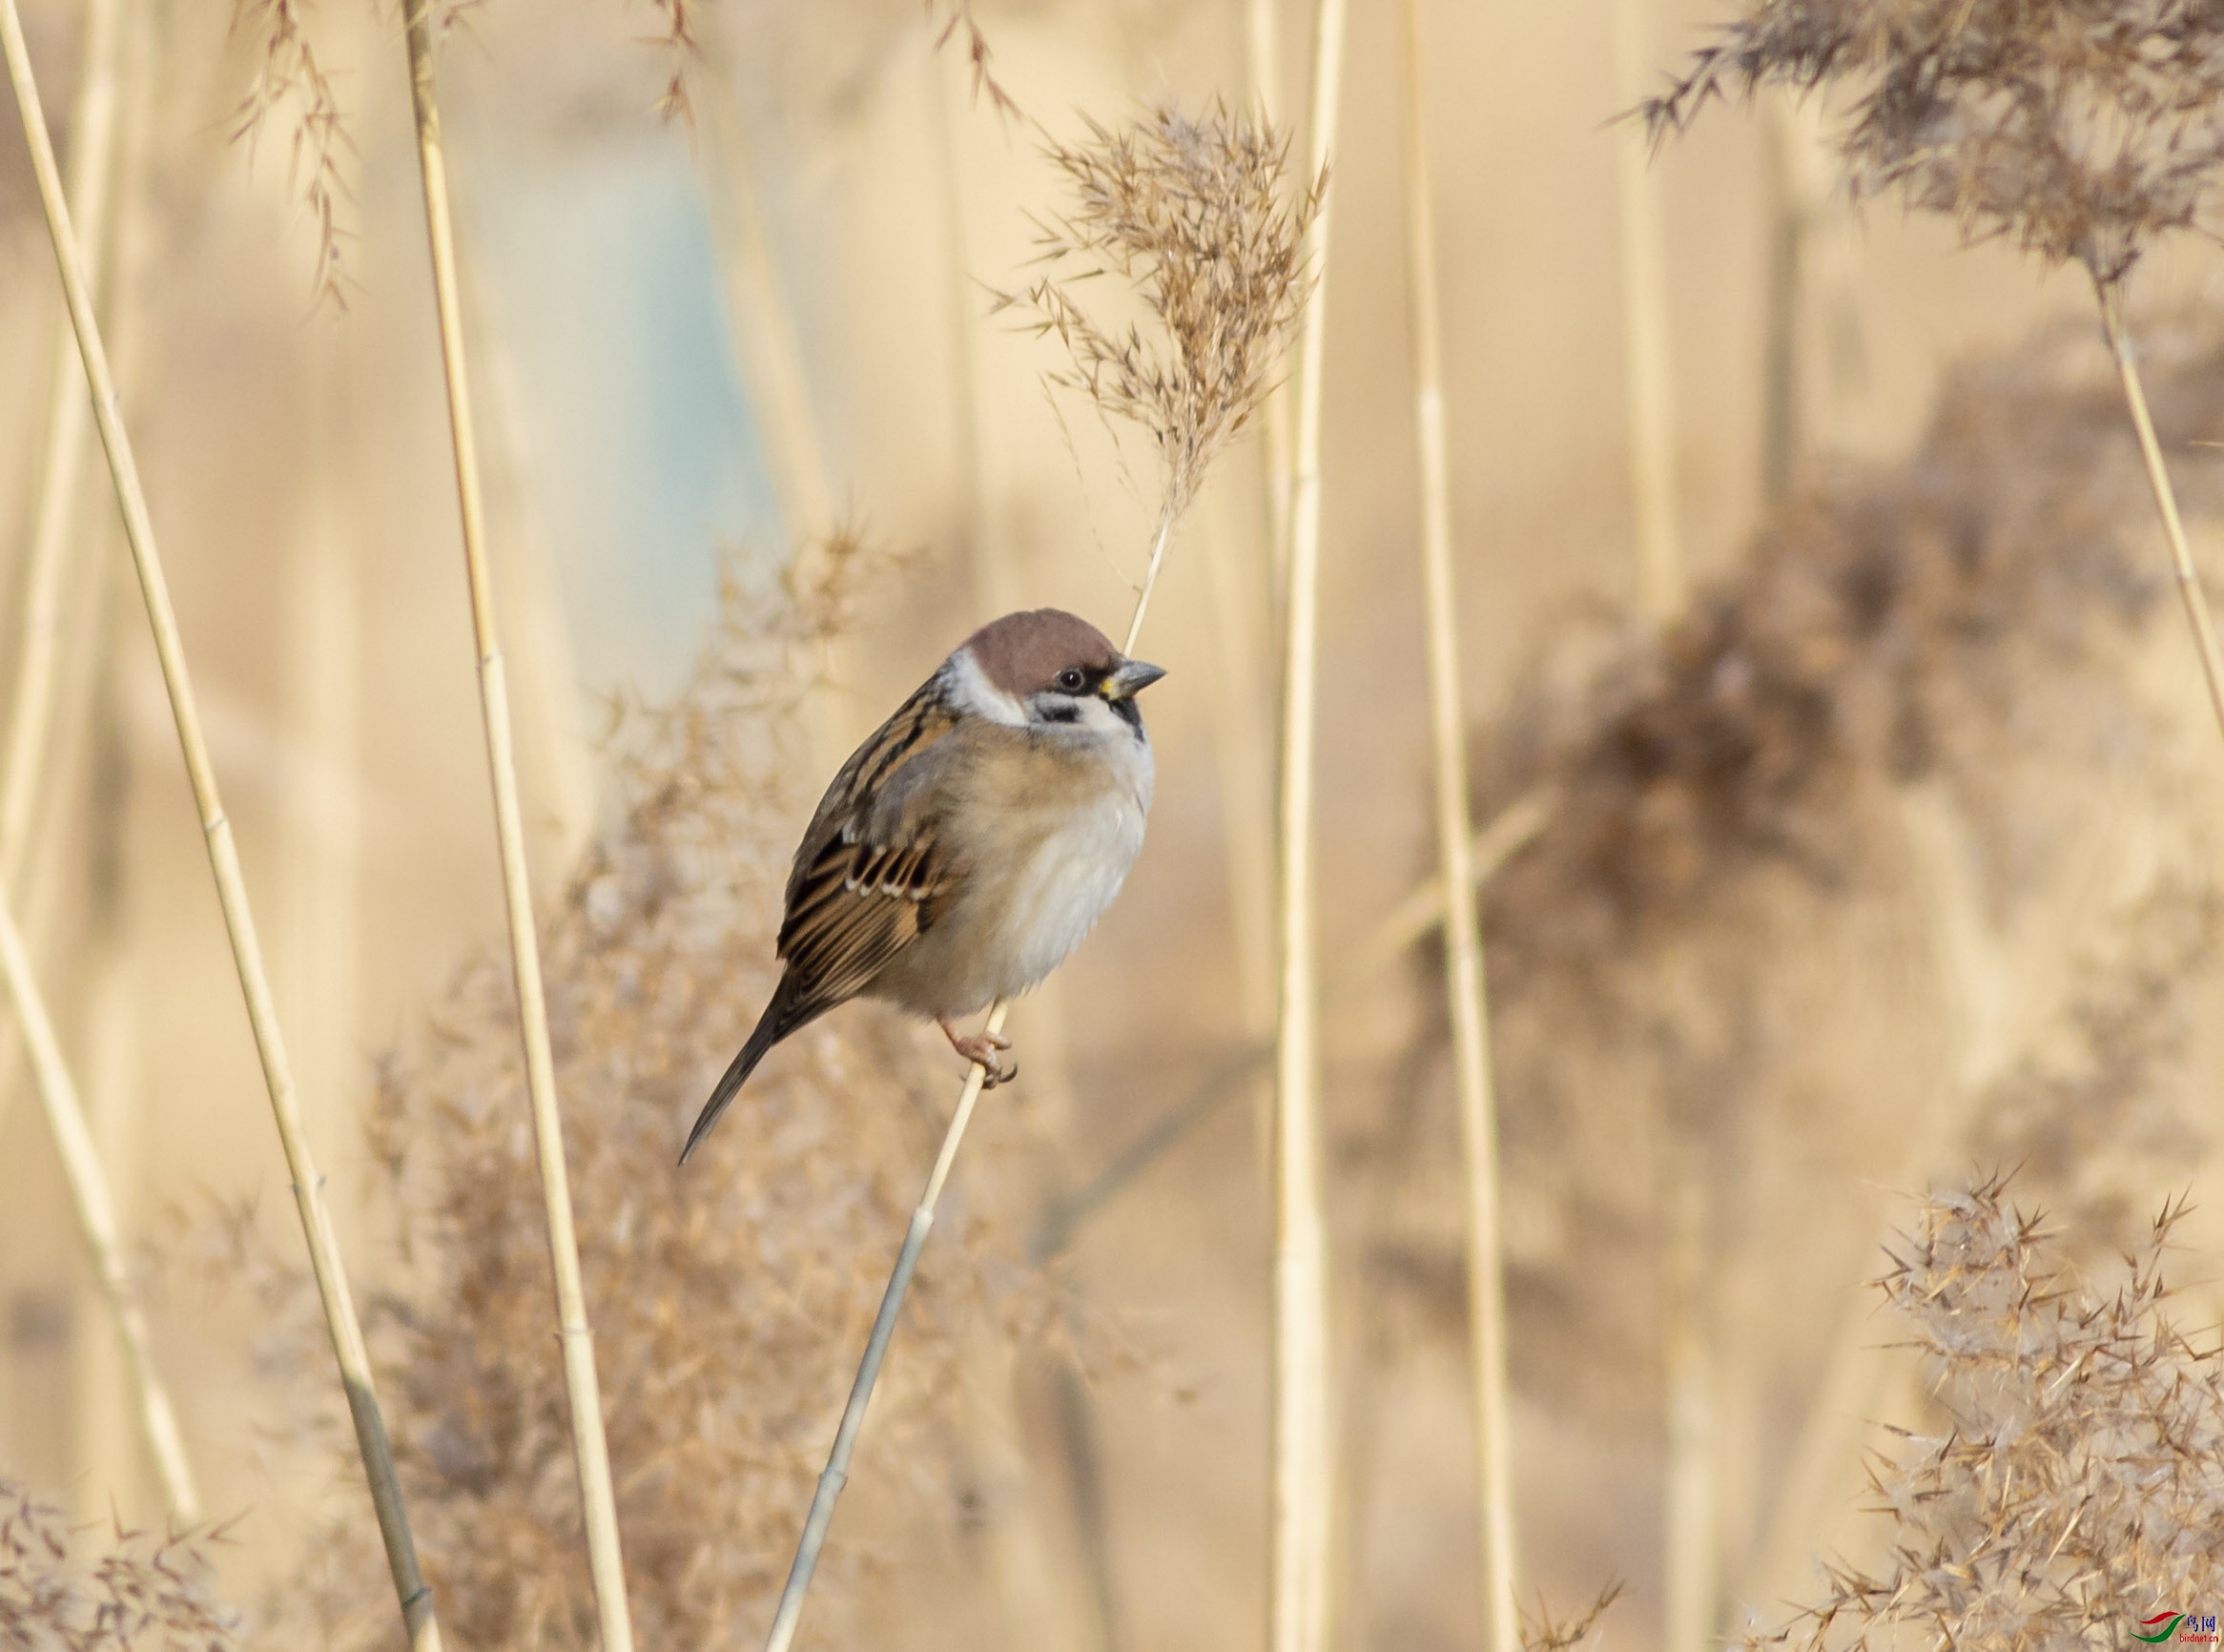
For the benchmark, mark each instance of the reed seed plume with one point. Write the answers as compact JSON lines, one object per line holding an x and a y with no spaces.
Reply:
{"x":726,"y":1298}
{"x":2071,"y":1480}
{"x":2079,"y":130}
{"x":289,"y":77}
{"x":142,"y":1594}
{"x":1197,"y":218}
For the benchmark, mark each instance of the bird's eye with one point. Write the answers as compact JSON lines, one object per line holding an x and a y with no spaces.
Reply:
{"x":1071,"y":680}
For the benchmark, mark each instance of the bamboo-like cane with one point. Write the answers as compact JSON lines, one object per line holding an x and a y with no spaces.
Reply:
{"x":324,"y":1261}
{"x":1645,"y":345}
{"x":2181,"y":556}
{"x":1303,"y":1478}
{"x":96,"y":1221}
{"x":38,"y":653}
{"x":1465,"y":979}
{"x":591,"y":1449}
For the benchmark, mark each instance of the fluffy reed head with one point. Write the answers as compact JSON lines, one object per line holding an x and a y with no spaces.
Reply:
{"x":727,"y":1299}
{"x":138,"y":1594}
{"x":2070,"y":1482}
{"x":1197,"y":217}
{"x":2077,"y":129}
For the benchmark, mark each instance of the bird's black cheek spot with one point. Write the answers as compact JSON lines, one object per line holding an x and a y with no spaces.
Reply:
{"x":1058,"y":712}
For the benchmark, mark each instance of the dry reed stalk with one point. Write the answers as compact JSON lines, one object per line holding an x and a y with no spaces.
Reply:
{"x":1303,"y":1476}
{"x":1465,"y":982}
{"x":590,"y":1448}
{"x":2181,"y":556}
{"x":96,"y":1221}
{"x":540,"y":646}
{"x":1689,"y":1563}
{"x":1647,"y":352}
{"x":39,"y":652}
{"x":1262,"y":64}
{"x":346,"y":1329}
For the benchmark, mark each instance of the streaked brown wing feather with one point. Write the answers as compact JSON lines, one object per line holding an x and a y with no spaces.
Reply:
{"x":870,"y":869}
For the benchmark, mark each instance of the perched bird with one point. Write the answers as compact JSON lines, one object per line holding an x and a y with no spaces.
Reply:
{"x":968,"y":846}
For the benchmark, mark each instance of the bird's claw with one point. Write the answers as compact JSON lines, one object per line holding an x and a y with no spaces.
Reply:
{"x":981,"y":1049}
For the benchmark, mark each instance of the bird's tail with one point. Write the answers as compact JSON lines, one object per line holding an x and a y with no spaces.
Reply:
{"x":778,"y":1021}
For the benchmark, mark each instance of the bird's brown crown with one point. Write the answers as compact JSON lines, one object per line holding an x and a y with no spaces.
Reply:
{"x":1023,"y":652}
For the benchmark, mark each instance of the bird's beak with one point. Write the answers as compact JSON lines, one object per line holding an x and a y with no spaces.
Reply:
{"x":1131,"y":679}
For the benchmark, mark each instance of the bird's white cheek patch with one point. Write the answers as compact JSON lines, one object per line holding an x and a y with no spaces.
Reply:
{"x":968,"y":688}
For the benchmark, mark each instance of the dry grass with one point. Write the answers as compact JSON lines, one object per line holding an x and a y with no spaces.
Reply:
{"x":2072,"y":1480}
{"x":2076,"y":131}
{"x":142,"y":1594}
{"x":727,"y":1299}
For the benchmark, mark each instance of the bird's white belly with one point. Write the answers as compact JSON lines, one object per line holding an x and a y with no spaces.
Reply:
{"x":1065,"y":887}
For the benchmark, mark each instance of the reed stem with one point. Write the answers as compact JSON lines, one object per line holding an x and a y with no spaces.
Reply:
{"x":1466,"y":982}
{"x":2181,"y":556}
{"x":591,"y":1451}
{"x":38,"y":656}
{"x":836,"y":1472}
{"x":1263,"y":61}
{"x":324,"y":1260}
{"x":96,"y":1221}
{"x":1303,"y":1479}
{"x":1645,"y":342}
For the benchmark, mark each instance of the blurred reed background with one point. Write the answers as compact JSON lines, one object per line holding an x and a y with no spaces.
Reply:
{"x":1807,"y":585}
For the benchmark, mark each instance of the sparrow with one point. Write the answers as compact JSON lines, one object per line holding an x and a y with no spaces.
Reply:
{"x":966,"y":848}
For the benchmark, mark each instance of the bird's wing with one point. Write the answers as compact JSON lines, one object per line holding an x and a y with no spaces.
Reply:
{"x":874,"y":868}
